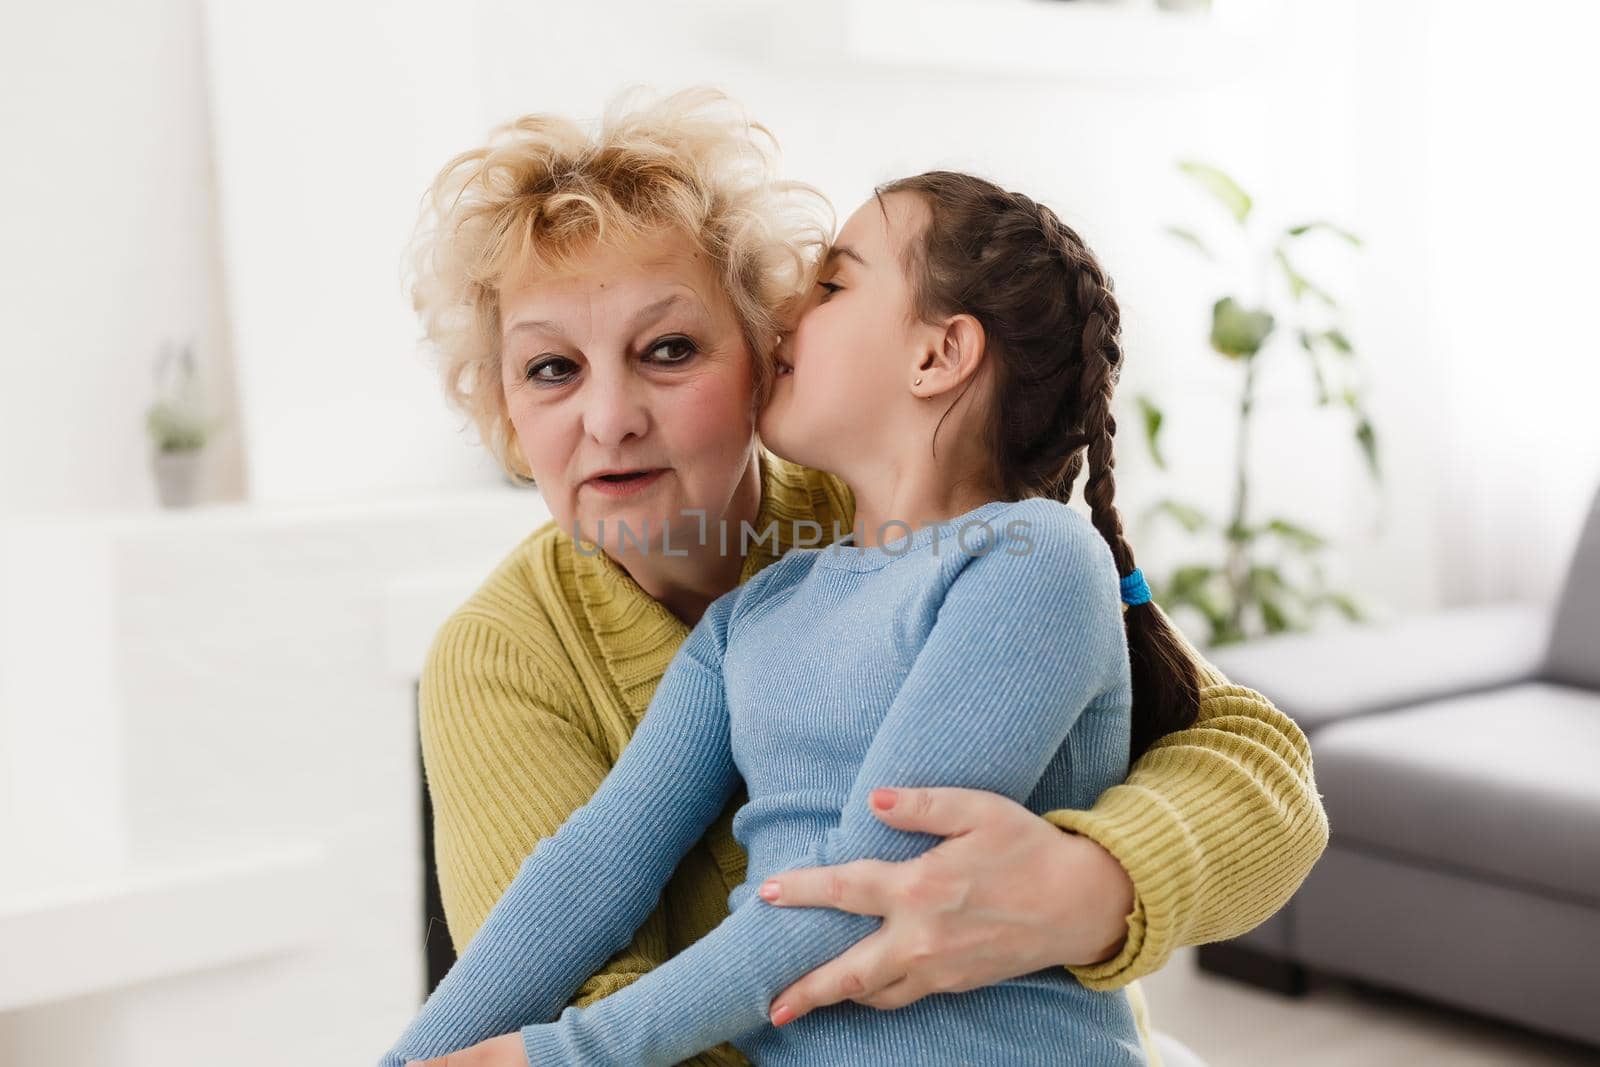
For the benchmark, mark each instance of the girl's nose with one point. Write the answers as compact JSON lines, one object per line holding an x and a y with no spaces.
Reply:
{"x":794,"y":309}
{"x":789,"y":318}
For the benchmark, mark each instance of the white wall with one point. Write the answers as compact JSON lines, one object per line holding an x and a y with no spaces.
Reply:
{"x":1385,"y":116}
{"x":330,"y":119}
{"x":107,"y":204}
{"x":1513,"y":222}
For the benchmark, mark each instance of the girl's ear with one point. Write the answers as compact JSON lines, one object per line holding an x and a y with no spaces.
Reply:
{"x":952,"y":353}
{"x":964,"y":345}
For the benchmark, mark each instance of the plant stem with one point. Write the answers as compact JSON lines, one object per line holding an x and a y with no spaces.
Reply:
{"x":1237,"y":563}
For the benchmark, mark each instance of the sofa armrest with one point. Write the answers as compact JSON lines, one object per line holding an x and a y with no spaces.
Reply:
{"x":1319,"y":677}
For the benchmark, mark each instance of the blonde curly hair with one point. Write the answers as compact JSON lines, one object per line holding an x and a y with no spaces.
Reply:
{"x":543,"y":191}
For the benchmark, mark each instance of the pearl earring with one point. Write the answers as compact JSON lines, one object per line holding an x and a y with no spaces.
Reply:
{"x":917,"y":382}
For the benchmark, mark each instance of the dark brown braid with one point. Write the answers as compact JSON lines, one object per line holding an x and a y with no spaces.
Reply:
{"x":1052,"y":325}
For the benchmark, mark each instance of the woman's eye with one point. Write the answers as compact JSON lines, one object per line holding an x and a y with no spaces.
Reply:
{"x":829,"y":288}
{"x":534,"y":373}
{"x":680,"y":347}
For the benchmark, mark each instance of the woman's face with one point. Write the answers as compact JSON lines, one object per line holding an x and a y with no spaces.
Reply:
{"x":634,"y":360}
{"x":854,"y":346}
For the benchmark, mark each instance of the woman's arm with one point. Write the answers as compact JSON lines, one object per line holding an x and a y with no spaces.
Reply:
{"x":1217,"y":825}
{"x":581,"y":892}
{"x":1023,"y":645}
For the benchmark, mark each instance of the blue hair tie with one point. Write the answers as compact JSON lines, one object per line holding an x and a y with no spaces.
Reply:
{"x":1134,"y":589}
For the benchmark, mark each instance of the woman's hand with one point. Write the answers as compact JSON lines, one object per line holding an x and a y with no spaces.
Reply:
{"x":503,"y":1051}
{"x":1006,"y":893}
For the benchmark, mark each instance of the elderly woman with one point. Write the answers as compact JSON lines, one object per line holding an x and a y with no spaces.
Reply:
{"x":607,"y":305}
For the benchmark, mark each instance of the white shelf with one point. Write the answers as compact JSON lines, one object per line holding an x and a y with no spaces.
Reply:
{"x":413,"y":610}
{"x":254,"y":515}
{"x":1076,"y":42}
{"x":157,"y":921}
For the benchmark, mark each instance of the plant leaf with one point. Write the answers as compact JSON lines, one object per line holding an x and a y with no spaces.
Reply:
{"x":1192,"y":239}
{"x":1190,"y":518}
{"x":1185,"y":580}
{"x":1192,"y":586}
{"x":1309,"y":345}
{"x":1367,"y":437}
{"x":1152,"y":428}
{"x":1219,"y":185}
{"x":1236,"y":332}
{"x":1301,"y":537}
{"x":1299,"y":284}
{"x":1307,"y":227}
{"x":1347,"y":605}
{"x":1225,"y":633}
{"x":1264,"y":579}
{"x":1273,"y":616}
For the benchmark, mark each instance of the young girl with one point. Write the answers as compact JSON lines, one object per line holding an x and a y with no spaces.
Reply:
{"x":958,"y":354}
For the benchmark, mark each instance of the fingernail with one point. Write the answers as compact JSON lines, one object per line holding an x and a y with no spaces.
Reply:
{"x":769,"y":890}
{"x":782,"y":1015}
{"x":883,"y":798}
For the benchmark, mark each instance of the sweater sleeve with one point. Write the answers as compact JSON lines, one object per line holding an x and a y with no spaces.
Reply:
{"x":582,"y":892}
{"x":1217,"y":825}
{"x":981,"y":714}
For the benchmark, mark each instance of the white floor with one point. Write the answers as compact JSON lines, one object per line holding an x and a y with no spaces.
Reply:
{"x":1336,"y":1024}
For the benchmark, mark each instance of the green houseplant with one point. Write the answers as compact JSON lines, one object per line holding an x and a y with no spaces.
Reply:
{"x":1270,"y":576}
{"x":178,"y":426}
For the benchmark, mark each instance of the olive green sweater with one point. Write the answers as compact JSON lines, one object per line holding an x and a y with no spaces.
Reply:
{"x":534,"y":685}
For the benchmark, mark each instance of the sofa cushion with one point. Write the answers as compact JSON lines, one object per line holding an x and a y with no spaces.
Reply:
{"x":1575,"y":641}
{"x":1502,"y":784}
{"x":1317,"y":678}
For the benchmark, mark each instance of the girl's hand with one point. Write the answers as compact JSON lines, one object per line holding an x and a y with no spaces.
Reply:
{"x":503,"y":1051}
{"x":1006,"y":893}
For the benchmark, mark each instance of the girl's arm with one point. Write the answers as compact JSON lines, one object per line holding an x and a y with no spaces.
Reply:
{"x":1022,"y":646}
{"x":506,"y":765}
{"x":582,"y":892}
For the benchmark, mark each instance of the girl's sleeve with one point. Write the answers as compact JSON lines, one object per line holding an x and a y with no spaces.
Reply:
{"x":1022,"y":645}
{"x":578,"y":898}
{"x":1217,"y":825}
{"x":506,"y":764}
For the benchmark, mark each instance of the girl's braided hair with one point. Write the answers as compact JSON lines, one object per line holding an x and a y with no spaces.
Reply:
{"x":1051,"y":320}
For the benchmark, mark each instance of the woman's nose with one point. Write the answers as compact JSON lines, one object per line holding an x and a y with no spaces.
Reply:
{"x":615,"y":410}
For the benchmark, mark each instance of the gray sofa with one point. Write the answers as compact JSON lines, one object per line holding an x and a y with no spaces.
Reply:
{"x":1458,"y":755}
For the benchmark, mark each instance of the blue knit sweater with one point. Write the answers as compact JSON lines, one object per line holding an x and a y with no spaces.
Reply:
{"x":986,"y":652}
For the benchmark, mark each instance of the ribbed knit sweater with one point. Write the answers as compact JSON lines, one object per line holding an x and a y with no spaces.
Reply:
{"x":533,"y":687}
{"x":985,"y":652}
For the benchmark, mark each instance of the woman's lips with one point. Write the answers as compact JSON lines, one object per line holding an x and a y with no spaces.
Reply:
{"x":624,"y":487}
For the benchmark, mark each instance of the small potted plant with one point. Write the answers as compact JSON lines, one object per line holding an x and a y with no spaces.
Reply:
{"x":179,"y":427}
